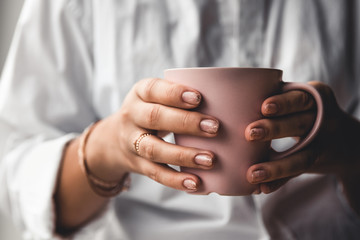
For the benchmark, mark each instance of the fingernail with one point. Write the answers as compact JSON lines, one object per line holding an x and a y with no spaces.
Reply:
{"x":259,"y":175}
{"x":191,"y":98}
{"x":189,"y":184}
{"x":271,"y":108}
{"x":203,"y":159}
{"x":257,"y":133}
{"x":209,"y":126}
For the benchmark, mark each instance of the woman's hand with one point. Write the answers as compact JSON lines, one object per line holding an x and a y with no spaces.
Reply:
{"x":335,"y":150}
{"x":153,"y":106}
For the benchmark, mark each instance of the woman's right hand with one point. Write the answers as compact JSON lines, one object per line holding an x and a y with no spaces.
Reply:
{"x":154,"y":106}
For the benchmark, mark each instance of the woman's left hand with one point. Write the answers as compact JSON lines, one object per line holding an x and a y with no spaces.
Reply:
{"x":335,"y":150}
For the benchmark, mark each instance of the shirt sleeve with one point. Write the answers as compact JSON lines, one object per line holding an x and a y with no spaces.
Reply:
{"x":45,"y":100}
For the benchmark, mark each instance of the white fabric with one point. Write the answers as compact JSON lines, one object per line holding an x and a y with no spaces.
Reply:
{"x":73,"y":61}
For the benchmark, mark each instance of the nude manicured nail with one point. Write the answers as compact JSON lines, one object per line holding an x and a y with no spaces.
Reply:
{"x":257,"y":133}
{"x":190,"y":184}
{"x":259,"y":175}
{"x":204,"y":160}
{"x":191,"y":98}
{"x":271,"y":108}
{"x":209,"y":126}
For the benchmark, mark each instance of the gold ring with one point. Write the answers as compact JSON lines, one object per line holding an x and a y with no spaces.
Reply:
{"x":137,"y":142}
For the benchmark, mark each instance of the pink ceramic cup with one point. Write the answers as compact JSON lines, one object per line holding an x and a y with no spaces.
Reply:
{"x":234,"y":96}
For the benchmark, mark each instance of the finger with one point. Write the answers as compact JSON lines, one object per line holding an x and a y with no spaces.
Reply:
{"x":155,"y":90}
{"x":273,"y":186}
{"x":168,"y":176}
{"x":296,"y":125}
{"x":274,"y":170}
{"x":157,"y":150}
{"x":288,"y":103}
{"x":164,"y":118}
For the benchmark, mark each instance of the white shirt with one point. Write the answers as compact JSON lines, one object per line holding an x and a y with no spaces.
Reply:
{"x":73,"y":62}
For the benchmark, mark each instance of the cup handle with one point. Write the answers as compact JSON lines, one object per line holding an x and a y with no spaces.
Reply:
{"x":289,"y":86}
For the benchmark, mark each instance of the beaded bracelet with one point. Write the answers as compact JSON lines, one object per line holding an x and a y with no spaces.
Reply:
{"x":99,"y":186}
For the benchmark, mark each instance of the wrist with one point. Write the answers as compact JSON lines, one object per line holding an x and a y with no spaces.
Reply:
{"x":100,"y":154}
{"x":100,"y":185}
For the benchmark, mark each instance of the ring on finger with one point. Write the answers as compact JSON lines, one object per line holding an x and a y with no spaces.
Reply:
{"x":138,"y":140}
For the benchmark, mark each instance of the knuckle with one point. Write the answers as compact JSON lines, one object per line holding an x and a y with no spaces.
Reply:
{"x":153,"y":116}
{"x":154,"y":174}
{"x":296,"y":167}
{"x":125,"y":114}
{"x":287,"y":105}
{"x":148,"y":88}
{"x":275,"y":130}
{"x":302,"y":127}
{"x":277,"y":171}
{"x":181,"y":158}
{"x":137,"y":86}
{"x":329,"y":95}
{"x":149,"y":151}
{"x":328,"y":91}
{"x":172,"y":91}
{"x":187,"y":118}
{"x":305,"y":99}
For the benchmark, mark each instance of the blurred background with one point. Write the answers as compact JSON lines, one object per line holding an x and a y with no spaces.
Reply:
{"x":9,"y":13}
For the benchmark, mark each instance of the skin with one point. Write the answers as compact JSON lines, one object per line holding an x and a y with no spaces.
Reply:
{"x":334,"y":151}
{"x":158,"y":106}
{"x":153,"y":105}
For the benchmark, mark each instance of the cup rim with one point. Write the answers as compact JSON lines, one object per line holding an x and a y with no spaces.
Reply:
{"x":222,"y":68}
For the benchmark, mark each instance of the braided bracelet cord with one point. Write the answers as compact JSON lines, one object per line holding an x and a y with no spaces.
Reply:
{"x":100,"y":187}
